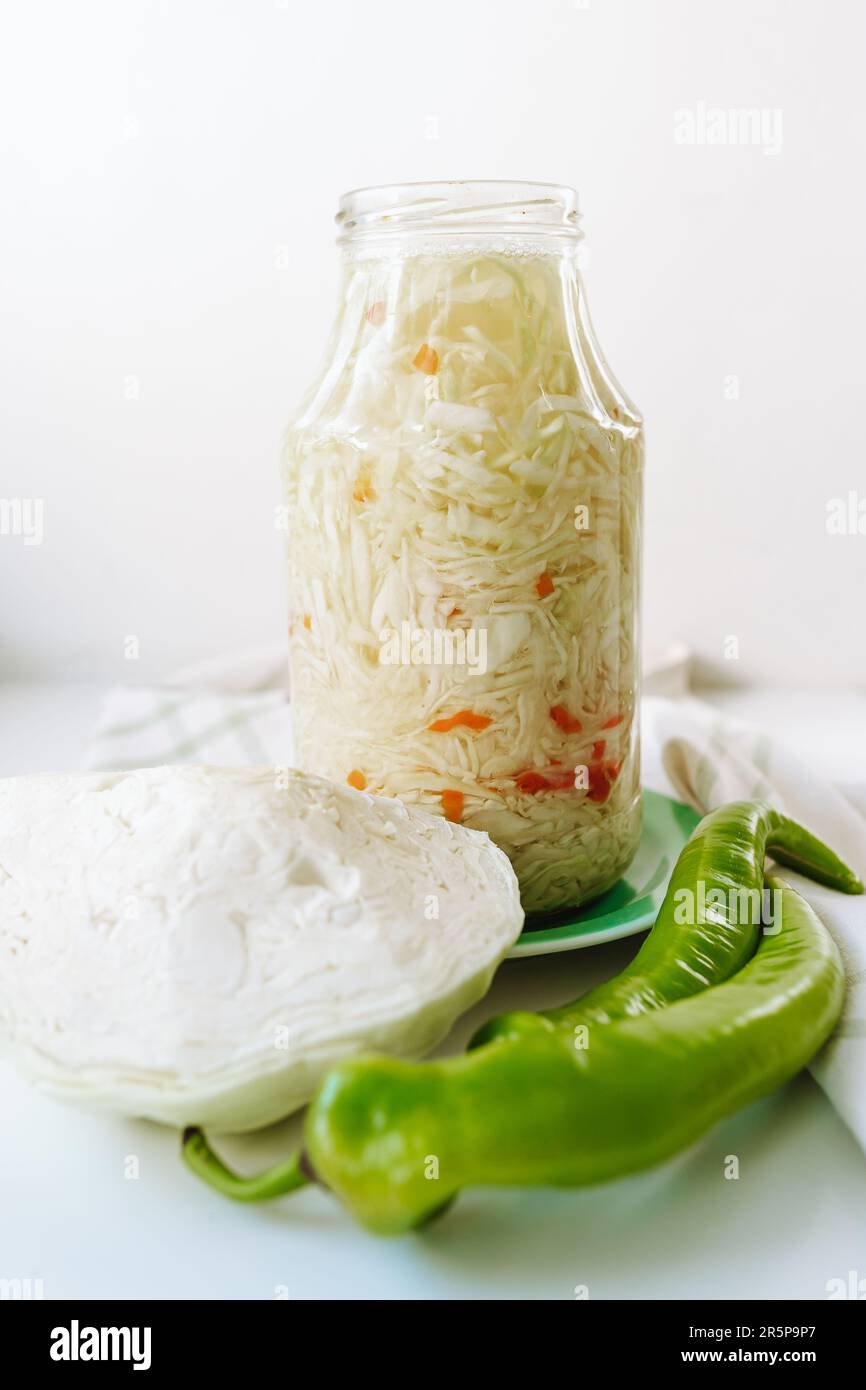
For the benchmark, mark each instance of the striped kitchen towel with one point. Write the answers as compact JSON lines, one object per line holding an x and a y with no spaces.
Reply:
{"x":230,"y":712}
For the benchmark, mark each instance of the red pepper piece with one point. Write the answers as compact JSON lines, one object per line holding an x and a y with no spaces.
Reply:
{"x":532,"y":782}
{"x":601,"y":778}
{"x":563,"y":720}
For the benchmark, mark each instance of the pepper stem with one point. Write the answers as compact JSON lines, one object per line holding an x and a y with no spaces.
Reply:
{"x":273,"y":1182}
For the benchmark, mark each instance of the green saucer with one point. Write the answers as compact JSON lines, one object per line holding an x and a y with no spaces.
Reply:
{"x":632,"y":903}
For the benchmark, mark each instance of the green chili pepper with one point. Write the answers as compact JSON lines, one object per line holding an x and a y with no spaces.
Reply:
{"x":274,"y":1182}
{"x":722,"y":865}
{"x":397,"y":1140}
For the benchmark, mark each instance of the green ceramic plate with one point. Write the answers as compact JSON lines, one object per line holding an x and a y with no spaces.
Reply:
{"x":631,"y":905}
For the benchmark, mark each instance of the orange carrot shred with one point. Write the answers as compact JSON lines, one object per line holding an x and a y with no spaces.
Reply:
{"x":563,"y":720}
{"x":426,"y":359}
{"x":613,"y":721}
{"x":452,"y":805}
{"x":376,"y":313}
{"x":598,"y":750}
{"x":357,"y":780}
{"x":544,"y":584}
{"x":363,"y":489}
{"x":308,"y":622}
{"x":464,"y":716}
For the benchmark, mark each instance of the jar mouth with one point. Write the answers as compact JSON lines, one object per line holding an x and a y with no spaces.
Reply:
{"x":458,"y":208}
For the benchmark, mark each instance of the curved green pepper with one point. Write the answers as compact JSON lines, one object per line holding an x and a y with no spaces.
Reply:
{"x":396,"y":1141}
{"x":707,"y":1055}
{"x":273,"y":1182}
{"x":685,"y":953}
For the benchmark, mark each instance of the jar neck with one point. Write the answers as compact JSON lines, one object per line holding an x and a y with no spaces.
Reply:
{"x":465,"y":325}
{"x":458,"y":219}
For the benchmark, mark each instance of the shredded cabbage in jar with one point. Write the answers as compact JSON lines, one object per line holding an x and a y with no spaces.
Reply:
{"x":464,"y":490}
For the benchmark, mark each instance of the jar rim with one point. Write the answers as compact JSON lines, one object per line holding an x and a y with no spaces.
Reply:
{"x":459,"y":206}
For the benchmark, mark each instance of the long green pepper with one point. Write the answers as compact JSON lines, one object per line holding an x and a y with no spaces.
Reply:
{"x":681,"y":955}
{"x":396,"y":1140}
{"x":538,"y":1111}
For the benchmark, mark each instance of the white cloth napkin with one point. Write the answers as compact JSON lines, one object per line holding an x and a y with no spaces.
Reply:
{"x":231,"y":711}
{"x":236,"y":710}
{"x":696,"y":755}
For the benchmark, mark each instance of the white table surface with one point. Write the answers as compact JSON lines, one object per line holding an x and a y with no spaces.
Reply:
{"x":794,"y":1219}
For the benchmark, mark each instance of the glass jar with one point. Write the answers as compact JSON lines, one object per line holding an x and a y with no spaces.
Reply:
{"x":464,"y":489}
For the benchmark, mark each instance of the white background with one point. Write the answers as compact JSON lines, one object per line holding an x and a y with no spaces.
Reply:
{"x":169,"y":176}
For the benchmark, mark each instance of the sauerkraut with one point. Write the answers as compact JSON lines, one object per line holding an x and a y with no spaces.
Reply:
{"x":464,"y":499}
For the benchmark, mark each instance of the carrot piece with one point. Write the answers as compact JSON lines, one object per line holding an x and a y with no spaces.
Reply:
{"x":426,"y":359}
{"x":598,"y":750}
{"x":563,"y":720}
{"x":544,"y":584}
{"x":308,"y":622}
{"x":363,"y":489}
{"x":464,"y":716}
{"x":376,"y":313}
{"x":357,"y":780}
{"x":452,"y":805}
{"x":613,"y":721}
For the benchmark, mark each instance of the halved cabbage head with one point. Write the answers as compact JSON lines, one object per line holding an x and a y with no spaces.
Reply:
{"x":197,"y":945}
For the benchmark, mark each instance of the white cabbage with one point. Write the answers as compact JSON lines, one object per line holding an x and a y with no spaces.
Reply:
{"x":463,"y":416}
{"x":198,"y":945}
